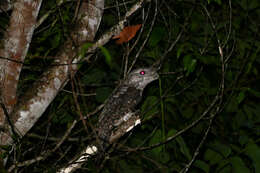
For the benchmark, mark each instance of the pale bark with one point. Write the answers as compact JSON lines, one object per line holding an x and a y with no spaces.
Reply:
{"x":35,"y":101}
{"x":16,"y":43}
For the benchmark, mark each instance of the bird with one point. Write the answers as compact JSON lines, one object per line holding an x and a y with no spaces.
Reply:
{"x":121,"y":104}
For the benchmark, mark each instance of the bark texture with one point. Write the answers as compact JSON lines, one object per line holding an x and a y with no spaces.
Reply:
{"x":16,"y":42}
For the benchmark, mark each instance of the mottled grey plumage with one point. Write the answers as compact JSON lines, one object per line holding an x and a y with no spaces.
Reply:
{"x":120,"y":106}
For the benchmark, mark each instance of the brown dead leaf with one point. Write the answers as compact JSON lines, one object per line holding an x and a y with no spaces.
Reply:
{"x":127,"y":34}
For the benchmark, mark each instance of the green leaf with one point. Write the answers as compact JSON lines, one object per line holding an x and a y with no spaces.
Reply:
{"x":183,"y":147}
{"x":238,"y":166}
{"x":224,"y":166}
{"x":243,"y":139}
{"x":107,"y":55}
{"x":202,"y":165}
{"x":222,"y":148}
{"x":164,"y":157}
{"x":189,"y":64}
{"x":156,"y":139}
{"x":253,"y":152}
{"x":103,"y":93}
{"x":255,"y":93}
{"x":212,"y":156}
{"x":84,"y":49}
{"x":179,"y":51}
{"x":226,"y":169}
{"x":182,"y":144}
{"x":156,"y":36}
{"x":241,"y":97}
{"x":171,"y":132}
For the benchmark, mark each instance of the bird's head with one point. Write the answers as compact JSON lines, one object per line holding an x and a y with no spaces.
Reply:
{"x":141,"y":77}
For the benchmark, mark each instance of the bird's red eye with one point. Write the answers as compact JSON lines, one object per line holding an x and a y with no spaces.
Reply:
{"x":142,"y":72}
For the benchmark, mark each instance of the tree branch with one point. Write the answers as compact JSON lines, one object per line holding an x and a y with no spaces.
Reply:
{"x":16,"y":43}
{"x":35,"y":101}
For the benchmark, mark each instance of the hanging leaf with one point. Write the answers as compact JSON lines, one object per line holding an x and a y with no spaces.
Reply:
{"x":212,"y":156}
{"x":189,"y":64}
{"x":127,"y":34}
{"x":253,"y":152}
{"x":84,"y":49}
{"x":107,"y":55}
{"x":241,"y":96}
{"x":155,"y":139}
{"x":238,"y":165}
{"x":202,"y":165}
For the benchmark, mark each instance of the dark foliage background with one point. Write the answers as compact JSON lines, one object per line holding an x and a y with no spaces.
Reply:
{"x":190,"y":79}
